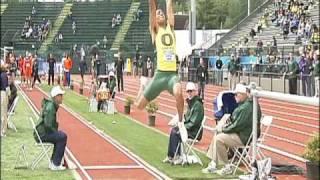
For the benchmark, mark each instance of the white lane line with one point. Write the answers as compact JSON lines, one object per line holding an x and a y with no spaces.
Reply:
{"x":36,"y":113}
{"x":152,"y":170}
{"x":111,"y":167}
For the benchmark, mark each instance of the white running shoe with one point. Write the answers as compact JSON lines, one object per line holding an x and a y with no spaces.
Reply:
{"x":211,"y":169}
{"x":56,"y":168}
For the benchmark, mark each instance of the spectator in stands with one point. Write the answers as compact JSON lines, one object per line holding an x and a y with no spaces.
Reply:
{"x":74,"y":27}
{"x":304,"y":67}
{"x":35,"y":70}
{"x":252,"y":33}
{"x":259,"y":46}
{"x":274,"y":45}
{"x":315,"y":37}
{"x":34,"y":11}
{"x":219,"y":72}
{"x":202,"y":77}
{"x":28,"y":34}
{"x":285,"y":30}
{"x":234,"y":134}
{"x":113,"y":22}
{"x":118,"y":19}
{"x":316,"y":72}
{"x":52,"y":62}
{"x":60,"y":37}
{"x":47,"y":128}
{"x":105,"y":42}
{"x":232,"y":69}
{"x":193,"y":118}
{"x":119,"y":66}
{"x":70,"y":15}
{"x":4,"y":91}
{"x":139,"y":14}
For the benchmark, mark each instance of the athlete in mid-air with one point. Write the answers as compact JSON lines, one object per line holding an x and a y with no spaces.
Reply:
{"x":165,"y":78}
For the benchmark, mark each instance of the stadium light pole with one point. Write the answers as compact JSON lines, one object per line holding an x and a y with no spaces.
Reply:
{"x":192,"y":23}
{"x":248,"y":7}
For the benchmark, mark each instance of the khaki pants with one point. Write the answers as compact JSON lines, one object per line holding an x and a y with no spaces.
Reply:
{"x":232,"y":79}
{"x":218,"y":149}
{"x":4,"y":111}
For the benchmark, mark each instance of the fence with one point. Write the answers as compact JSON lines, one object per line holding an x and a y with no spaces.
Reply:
{"x":276,"y":96}
{"x":275,"y":82}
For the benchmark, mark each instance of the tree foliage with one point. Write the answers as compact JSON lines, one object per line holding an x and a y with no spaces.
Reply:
{"x":211,"y":14}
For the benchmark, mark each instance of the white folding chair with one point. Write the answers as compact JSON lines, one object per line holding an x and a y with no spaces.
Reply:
{"x":11,"y":125}
{"x":187,"y":153}
{"x":45,"y":148}
{"x":244,"y":156}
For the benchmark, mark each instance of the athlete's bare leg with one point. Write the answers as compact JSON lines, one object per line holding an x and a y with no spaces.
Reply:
{"x":177,"y":92}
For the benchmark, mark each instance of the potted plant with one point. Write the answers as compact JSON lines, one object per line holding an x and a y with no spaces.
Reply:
{"x":81,"y":87}
{"x":312,"y":154}
{"x":71,"y":84}
{"x":152,"y":108}
{"x":127,"y":105}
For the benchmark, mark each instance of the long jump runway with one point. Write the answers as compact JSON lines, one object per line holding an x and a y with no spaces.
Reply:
{"x":97,"y":155}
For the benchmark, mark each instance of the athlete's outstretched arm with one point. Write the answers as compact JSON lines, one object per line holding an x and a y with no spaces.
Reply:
{"x":152,"y":18}
{"x":170,"y":13}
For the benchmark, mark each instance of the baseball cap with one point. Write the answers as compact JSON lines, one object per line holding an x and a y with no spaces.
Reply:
{"x":190,"y":86}
{"x":111,"y":73}
{"x":240,"y":88}
{"x":56,"y":91}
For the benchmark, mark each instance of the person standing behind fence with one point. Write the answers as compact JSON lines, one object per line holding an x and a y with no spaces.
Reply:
{"x":67,"y":69}
{"x":4,"y":93}
{"x":47,"y":127}
{"x":35,"y":70}
{"x":202,"y":77}
{"x":292,"y":71}
{"x":51,"y":61}
{"x":119,"y":66}
{"x":316,"y":72}
{"x":232,"y":70}
{"x":219,"y":72}
{"x":304,"y":66}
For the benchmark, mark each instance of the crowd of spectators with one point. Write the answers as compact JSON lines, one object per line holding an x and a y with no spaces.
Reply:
{"x":35,"y":31}
{"x":292,"y":17}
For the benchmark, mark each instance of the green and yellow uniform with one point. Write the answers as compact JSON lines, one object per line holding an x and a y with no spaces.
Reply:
{"x":165,"y":77}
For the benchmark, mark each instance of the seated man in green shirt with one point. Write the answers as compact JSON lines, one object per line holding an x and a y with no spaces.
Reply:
{"x":47,"y":128}
{"x":234,"y":134}
{"x":193,"y":118}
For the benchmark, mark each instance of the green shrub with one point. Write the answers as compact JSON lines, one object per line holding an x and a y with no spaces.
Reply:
{"x":312,"y":152}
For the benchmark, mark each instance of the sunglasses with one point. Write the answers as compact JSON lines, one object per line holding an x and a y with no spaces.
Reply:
{"x":189,"y":91}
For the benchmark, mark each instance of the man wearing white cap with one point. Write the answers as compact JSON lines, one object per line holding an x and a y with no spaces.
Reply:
{"x":192,"y":123}
{"x":234,"y":134}
{"x":47,"y":127}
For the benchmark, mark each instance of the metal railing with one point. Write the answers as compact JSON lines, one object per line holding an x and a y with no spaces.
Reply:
{"x":271,"y":81}
{"x":275,"y":96}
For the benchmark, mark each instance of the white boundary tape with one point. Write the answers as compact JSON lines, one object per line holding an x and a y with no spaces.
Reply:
{"x":36,"y":112}
{"x":155,"y":172}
